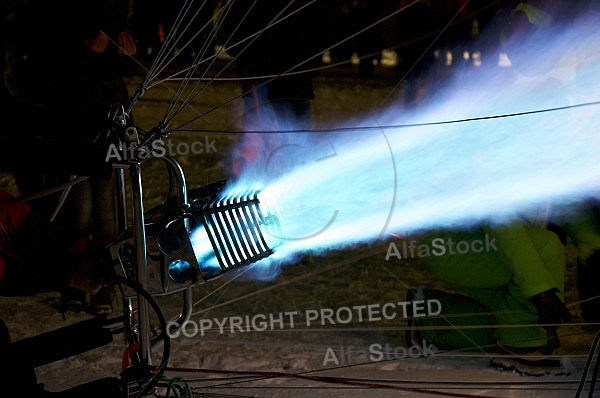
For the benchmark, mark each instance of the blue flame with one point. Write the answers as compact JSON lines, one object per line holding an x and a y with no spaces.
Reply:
{"x":357,"y":186}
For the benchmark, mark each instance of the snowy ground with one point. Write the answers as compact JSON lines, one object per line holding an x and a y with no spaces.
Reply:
{"x":297,"y":361}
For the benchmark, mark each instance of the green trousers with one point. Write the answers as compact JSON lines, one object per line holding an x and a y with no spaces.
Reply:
{"x":499,"y":275}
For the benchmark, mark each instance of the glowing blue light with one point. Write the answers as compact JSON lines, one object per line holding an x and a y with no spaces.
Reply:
{"x":204,"y":251}
{"x":358,"y":186}
{"x":180,"y":271}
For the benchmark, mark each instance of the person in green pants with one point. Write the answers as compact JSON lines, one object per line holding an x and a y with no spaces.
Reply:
{"x":511,"y":277}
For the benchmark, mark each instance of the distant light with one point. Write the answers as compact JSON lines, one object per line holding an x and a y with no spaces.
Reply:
{"x":449,"y":58}
{"x":503,"y":60}
{"x":476,"y":59}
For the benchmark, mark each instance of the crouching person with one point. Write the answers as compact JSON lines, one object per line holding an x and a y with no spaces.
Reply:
{"x":516,"y":287}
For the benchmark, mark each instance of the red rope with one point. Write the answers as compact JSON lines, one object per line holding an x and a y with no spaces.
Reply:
{"x":328,"y":379}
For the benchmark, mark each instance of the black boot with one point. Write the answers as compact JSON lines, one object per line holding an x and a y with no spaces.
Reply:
{"x":588,"y":287}
{"x":17,"y":378}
